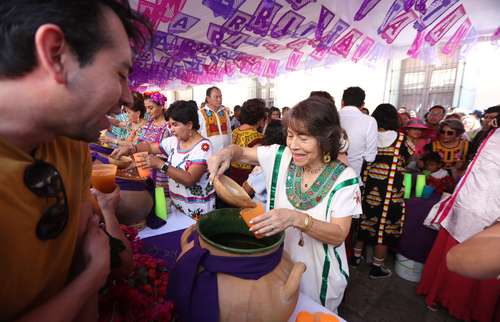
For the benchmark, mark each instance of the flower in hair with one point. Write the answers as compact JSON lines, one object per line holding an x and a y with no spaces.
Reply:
{"x":158,"y":98}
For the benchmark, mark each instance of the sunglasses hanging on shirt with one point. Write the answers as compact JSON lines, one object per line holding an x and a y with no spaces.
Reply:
{"x":44,"y":180}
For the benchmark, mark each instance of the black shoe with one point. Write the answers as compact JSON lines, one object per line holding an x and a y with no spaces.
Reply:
{"x":354,"y":261}
{"x":379,"y":272}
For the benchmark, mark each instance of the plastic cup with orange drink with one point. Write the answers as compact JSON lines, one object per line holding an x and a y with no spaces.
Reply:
{"x":140,"y":158}
{"x":103,"y":177}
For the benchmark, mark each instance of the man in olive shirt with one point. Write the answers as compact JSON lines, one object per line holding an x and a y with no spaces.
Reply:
{"x":63,"y":67}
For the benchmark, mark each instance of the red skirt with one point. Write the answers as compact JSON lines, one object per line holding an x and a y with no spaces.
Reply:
{"x":464,"y":298}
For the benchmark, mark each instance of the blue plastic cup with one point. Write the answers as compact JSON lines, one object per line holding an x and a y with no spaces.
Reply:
{"x":427,"y":192}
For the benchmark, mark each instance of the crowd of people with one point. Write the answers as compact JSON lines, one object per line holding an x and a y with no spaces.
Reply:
{"x":329,"y":176}
{"x":377,"y":151}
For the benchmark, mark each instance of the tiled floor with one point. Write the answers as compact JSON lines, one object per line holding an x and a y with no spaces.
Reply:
{"x":387,"y":300}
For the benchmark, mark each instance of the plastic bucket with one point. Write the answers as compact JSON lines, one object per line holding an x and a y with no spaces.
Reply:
{"x":408,"y":269}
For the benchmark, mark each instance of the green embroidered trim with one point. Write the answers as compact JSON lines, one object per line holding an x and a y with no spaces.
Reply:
{"x":326,"y":264}
{"x":318,"y":190}
{"x":324,"y":277}
{"x":274,"y":180}
{"x":339,"y":260}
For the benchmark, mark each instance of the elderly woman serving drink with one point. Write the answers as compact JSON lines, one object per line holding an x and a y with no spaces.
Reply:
{"x":312,"y":195}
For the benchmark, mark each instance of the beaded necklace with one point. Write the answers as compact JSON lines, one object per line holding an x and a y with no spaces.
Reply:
{"x":317,"y":191}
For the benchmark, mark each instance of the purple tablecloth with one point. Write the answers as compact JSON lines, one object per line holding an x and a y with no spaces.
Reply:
{"x":417,"y":240}
{"x":166,"y":247}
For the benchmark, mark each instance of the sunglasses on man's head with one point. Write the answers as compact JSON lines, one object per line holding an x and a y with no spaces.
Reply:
{"x":447,"y":132}
{"x":44,"y":180}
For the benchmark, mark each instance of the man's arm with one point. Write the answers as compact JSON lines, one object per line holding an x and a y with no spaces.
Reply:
{"x":371,"y":141}
{"x":107,"y":204}
{"x":477,"y":257}
{"x":67,"y":304}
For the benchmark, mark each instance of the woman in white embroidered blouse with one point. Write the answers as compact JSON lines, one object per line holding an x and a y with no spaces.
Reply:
{"x":315,"y":195}
{"x":186,"y":165}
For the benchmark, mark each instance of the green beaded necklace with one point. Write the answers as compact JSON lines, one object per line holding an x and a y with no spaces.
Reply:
{"x":318,"y":190}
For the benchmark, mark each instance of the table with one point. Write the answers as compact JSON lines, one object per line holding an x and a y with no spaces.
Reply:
{"x":417,"y":240}
{"x":164,"y":243}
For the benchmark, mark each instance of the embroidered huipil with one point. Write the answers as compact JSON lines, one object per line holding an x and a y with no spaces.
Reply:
{"x":453,"y":155}
{"x":239,"y":171}
{"x":153,"y":133}
{"x":215,"y":126}
{"x":335,"y":194}
{"x":198,"y":199}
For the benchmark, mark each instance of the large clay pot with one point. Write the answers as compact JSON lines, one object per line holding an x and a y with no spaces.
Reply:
{"x":273,"y":297}
{"x":134,"y":207}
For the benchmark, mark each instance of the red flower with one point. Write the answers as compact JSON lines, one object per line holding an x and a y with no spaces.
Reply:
{"x":205,"y":147}
{"x":141,"y":296}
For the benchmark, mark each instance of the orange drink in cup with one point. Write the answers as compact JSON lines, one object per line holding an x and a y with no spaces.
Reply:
{"x":103,"y":177}
{"x":141,"y":157}
{"x":250,"y":213}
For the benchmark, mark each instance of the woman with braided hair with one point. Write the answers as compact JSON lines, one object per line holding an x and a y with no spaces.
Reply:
{"x":383,"y":205}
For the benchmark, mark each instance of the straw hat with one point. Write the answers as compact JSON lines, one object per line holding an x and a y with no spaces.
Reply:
{"x":416,"y":123}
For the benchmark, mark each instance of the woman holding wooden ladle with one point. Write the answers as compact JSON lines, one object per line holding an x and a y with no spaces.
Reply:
{"x":312,"y":195}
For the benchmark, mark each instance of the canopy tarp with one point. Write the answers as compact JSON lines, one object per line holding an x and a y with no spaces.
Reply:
{"x":206,"y":41}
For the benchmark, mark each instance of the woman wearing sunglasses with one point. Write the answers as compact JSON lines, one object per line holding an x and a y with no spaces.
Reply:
{"x":451,"y":146}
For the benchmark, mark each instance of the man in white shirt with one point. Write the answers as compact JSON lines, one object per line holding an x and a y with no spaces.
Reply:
{"x":361,"y":129}
{"x":215,"y":123}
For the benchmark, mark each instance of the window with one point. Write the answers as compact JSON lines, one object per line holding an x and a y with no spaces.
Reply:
{"x":414,"y":80}
{"x":443,"y":77}
{"x":422,"y":85}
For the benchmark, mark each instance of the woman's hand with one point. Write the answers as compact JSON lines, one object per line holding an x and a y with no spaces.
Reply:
{"x":121,"y":151}
{"x":154,"y":162}
{"x":219,"y":163}
{"x":273,"y":222}
{"x":151,"y":162}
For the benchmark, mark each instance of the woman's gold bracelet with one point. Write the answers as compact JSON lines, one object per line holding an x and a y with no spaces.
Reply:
{"x":308,"y":222}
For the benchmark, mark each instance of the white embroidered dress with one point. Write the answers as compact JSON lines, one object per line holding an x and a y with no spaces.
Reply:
{"x":325,"y":278}
{"x":198,"y":199}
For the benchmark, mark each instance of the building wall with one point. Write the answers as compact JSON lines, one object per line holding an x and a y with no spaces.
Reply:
{"x":291,"y":88}
{"x":477,"y":82}
{"x":481,"y":84}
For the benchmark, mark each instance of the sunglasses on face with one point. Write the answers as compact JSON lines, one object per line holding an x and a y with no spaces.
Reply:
{"x":450,"y":133}
{"x":44,"y":180}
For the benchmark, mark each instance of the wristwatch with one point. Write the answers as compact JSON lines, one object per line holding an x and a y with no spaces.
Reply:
{"x":164,"y":167}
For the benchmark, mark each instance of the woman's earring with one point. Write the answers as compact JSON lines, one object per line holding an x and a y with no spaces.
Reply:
{"x":327,"y":158}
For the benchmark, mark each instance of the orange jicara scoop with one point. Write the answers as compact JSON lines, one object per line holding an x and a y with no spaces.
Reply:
{"x":250,"y":213}
{"x":305,"y":316}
